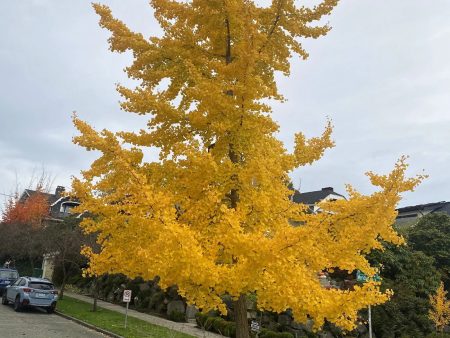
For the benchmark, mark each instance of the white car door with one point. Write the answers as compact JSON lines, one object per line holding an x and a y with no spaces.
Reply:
{"x":11,"y":291}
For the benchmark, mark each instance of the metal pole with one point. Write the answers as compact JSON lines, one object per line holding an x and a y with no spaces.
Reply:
{"x":370,"y":322}
{"x":126,"y":315}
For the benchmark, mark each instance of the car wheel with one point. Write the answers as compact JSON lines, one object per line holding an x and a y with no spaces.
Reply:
{"x":17,"y":305}
{"x":50,"y":310}
{"x":4,"y":299}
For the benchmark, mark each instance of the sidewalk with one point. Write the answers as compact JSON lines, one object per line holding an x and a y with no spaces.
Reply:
{"x":188,"y":328}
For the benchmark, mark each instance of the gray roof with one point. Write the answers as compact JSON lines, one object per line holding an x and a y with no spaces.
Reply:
{"x":28,"y":193}
{"x":51,"y":198}
{"x":427,"y":208}
{"x":313,"y":197}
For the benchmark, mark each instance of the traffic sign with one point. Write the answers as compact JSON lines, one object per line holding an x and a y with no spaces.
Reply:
{"x":126,"y":299}
{"x":362,"y":278}
{"x":254,"y":326}
{"x":127,"y":296}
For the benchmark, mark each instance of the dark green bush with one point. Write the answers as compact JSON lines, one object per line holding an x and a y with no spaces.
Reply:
{"x":285,"y":335}
{"x":156,"y":299}
{"x":209,"y":323}
{"x":133,"y":285}
{"x":146,"y":293}
{"x":201,"y":318}
{"x":311,"y":334}
{"x":272,"y":334}
{"x":75,"y":279}
{"x":229,"y":329}
{"x":119,"y":279}
{"x":177,"y":316}
{"x":438,"y":335}
{"x":216,"y":324}
{"x":144,"y":303}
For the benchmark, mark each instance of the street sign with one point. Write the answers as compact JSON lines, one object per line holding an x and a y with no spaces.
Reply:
{"x":126,"y":299}
{"x":254,"y":326}
{"x":362,"y":278}
{"x":127,"y":296}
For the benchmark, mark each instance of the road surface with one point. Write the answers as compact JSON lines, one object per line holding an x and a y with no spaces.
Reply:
{"x":37,"y":323}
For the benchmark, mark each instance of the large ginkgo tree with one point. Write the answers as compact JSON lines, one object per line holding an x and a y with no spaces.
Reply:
{"x":213,"y":215}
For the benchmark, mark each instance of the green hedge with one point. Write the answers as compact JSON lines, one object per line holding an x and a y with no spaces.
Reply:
{"x":216,"y":324}
{"x":271,"y":334}
{"x":177,"y":316}
{"x":228,"y":329}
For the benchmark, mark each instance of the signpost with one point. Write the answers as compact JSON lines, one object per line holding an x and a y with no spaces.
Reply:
{"x":361,"y":277}
{"x":126,"y":299}
{"x":255,"y":327}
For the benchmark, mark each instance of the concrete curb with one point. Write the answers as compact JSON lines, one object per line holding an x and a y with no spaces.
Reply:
{"x":90,"y":326}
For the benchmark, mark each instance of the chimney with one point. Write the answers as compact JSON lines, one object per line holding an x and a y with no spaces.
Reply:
{"x":59,"y":190}
{"x":329,"y":189}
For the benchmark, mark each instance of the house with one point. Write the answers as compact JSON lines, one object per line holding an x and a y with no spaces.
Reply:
{"x":59,"y":204}
{"x":409,"y":216}
{"x":313,"y":198}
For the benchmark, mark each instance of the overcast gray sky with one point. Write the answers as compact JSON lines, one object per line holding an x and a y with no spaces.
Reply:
{"x":382,"y":75}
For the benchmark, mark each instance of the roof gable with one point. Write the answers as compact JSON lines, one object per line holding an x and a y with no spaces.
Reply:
{"x":314,"y":197}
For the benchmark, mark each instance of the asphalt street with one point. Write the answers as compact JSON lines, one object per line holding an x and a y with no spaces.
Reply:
{"x":37,"y":323}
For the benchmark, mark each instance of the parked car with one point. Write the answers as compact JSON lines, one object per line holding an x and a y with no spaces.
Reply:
{"x":7,"y":277}
{"x":31,"y":291}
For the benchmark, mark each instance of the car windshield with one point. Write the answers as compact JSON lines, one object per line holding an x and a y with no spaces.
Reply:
{"x":5,"y":274}
{"x":40,"y":285}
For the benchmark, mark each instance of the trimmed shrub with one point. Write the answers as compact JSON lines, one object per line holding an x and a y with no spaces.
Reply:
{"x":216,"y":324}
{"x":201,"y":318}
{"x":177,"y":316}
{"x":209,"y":323}
{"x":272,"y":334}
{"x":156,"y":299}
{"x":285,"y":335}
{"x":229,"y":329}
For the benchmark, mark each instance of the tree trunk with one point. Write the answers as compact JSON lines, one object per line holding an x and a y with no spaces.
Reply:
{"x":61,"y":290}
{"x":94,"y":305}
{"x":31,"y":260}
{"x":240,"y":306}
{"x":63,"y":283}
{"x":240,"y":316}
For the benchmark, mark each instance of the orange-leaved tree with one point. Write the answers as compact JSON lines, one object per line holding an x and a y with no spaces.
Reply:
{"x":31,"y":211}
{"x":21,"y":226}
{"x":440,"y":308}
{"x":214,"y":215}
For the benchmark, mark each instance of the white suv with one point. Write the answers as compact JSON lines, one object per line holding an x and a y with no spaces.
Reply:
{"x":31,"y":291}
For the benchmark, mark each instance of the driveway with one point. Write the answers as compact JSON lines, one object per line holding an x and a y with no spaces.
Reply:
{"x":38,"y":324}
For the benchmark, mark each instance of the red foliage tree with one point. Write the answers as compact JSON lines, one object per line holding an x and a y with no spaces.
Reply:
{"x":22,"y":223}
{"x":32,"y":211}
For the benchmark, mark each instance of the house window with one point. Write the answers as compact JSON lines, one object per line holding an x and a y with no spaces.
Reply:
{"x":65,"y":208}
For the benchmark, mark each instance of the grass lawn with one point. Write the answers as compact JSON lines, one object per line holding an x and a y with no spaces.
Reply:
{"x":114,"y":321}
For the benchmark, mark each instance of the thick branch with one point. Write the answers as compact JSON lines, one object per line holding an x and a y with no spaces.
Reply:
{"x":274,"y":25}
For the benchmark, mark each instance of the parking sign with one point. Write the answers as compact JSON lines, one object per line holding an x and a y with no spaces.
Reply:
{"x":254,"y":326}
{"x":126,"y":296}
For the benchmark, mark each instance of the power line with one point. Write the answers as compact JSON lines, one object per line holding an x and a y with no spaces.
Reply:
{"x":6,"y":195}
